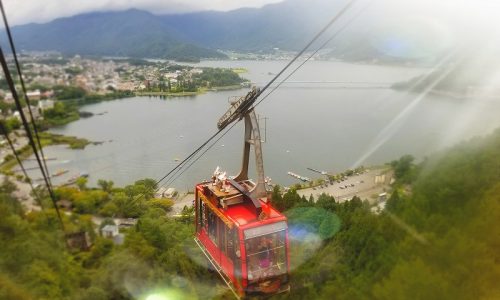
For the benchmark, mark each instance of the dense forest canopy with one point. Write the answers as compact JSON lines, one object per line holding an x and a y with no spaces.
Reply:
{"x":438,"y":238}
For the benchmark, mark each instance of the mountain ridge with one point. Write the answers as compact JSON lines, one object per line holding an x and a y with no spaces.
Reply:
{"x":132,"y":33}
{"x":286,"y":25}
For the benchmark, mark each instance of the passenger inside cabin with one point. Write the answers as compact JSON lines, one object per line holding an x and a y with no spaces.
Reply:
{"x":264,"y":251}
{"x":266,"y":256}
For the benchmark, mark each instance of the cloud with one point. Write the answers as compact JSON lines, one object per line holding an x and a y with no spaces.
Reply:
{"x":40,"y":11}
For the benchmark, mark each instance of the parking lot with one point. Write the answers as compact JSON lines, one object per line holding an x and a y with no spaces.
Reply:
{"x":365,"y":185}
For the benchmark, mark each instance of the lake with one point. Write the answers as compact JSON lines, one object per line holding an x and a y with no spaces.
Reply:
{"x":331,"y":116}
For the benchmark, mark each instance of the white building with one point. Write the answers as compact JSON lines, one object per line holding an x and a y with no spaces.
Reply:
{"x":8,"y":98}
{"x":166,"y":193}
{"x":45,"y":104}
{"x":171,"y":75}
{"x":170,"y":193}
{"x":34,"y":95}
{"x":113,"y":232}
{"x":110,"y":231}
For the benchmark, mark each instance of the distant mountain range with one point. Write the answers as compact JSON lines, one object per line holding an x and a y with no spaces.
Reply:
{"x":130,"y":33}
{"x":286,"y":25}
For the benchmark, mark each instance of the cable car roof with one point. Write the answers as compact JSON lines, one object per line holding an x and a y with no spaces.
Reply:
{"x":241,"y":214}
{"x":244,"y":213}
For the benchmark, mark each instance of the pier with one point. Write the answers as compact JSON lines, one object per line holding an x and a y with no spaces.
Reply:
{"x":302,"y":178}
{"x":318,"y":171}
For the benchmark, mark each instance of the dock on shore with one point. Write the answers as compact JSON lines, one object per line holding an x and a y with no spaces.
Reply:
{"x":301,"y":178}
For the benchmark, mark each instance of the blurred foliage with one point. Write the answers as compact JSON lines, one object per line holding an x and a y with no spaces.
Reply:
{"x":217,"y":77}
{"x":61,"y":114}
{"x":36,"y":264}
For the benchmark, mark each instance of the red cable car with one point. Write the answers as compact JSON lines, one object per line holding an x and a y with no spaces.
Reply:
{"x":242,"y":235}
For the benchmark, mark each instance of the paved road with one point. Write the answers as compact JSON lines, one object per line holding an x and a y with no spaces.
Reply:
{"x":180,"y":202}
{"x":364,"y":187}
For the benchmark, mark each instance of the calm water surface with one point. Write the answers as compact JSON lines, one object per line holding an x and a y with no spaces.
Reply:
{"x":332,"y":116}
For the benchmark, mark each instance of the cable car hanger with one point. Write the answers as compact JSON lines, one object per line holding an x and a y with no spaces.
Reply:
{"x":242,"y":109}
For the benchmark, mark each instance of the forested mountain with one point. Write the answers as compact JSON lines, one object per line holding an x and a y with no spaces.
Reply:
{"x":130,"y":33}
{"x":438,"y":238}
{"x":287,"y":25}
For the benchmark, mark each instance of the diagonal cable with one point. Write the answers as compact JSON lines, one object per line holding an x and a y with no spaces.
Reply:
{"x":13,"y":90}
{"x":23,"y":86}
{"x":5,"y":132}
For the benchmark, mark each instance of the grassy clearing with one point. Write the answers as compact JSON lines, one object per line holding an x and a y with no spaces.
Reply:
{"x":240,"y":70}
{"x":46,"y":139}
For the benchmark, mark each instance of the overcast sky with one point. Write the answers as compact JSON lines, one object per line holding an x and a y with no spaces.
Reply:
{"x":26,"y":11}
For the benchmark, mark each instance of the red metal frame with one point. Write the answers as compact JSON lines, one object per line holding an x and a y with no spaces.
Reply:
{"x":238,"y":217}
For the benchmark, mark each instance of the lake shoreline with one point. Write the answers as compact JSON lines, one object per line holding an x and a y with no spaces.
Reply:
{"x":201,"y":91}
{"x":325,"y":129}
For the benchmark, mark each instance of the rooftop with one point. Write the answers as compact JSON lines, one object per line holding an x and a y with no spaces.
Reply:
{"x":238,"y":208}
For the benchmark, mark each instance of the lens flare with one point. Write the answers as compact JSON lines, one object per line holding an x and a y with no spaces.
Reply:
{"x":308,"y":228}
{"x":157,"y":297}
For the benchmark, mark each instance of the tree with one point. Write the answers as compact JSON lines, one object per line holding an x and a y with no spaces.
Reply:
{"x":88,"y":202}
{"x":69,"y":92}
{"x":101,"y":248}
{"x":144,"y":188}
{"x":129,"y":207}
{"x":187,"y":214}
{"x":81,"y":182}
{"x":403,"y":168}
{"x":327,"y":202}
{"x":291,"y":199}
{"x":12,"y":124}
{"x":277,"y":199}
{"x":394,"y":203}
{"x":105,"y":185}
{"x":164,"y":204}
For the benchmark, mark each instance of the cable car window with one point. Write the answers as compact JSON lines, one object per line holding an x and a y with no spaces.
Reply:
{"x":230,"y":243}
{"x":203,"y":218}
{"x":201,"y":213}
{"x":222,"y":236}
{"x":212,"y":225}
{"x":265,"y":229}
{"x":266,"y":256}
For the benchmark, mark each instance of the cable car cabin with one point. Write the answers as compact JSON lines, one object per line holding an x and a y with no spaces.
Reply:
{"x":244,"y":238}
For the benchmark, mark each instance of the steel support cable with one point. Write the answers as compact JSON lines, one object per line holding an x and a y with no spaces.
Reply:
{"x":336,"y":34}
{"x":185,"y":161}
{"x":23,"y":86}
{"x":316,"y":37}
{"x":172,"y":180}
{"x":3,"y":131}
{"x":12,"y":88}
{"x":339,"y":31}
{"x":189,"y":157}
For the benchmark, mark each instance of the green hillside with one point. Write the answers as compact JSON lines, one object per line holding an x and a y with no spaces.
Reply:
{"x":438,"y":238}
{"x":131,"y":33}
